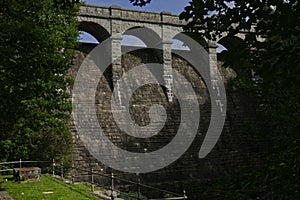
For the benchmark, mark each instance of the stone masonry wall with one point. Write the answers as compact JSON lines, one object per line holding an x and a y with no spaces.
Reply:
{"x":233,"y":151}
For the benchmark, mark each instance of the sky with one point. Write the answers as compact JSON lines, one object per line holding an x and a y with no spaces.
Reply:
{"x":173,"y":6}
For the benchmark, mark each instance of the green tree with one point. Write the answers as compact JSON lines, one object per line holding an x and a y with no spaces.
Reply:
{"x":271,"y":50}
{"x":36,"y":49}
{"x":140,"y":2}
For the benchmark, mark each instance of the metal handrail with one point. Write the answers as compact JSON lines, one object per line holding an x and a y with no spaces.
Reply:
{"x":178,"y":196}
{"x":112,"y":177}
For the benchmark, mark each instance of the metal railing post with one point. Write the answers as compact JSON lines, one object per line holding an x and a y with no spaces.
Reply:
{"x":139,"y":187}
{"x":53,"y":167}
{"x":20,"y":163}
{"x":62,"y":169}
{"x":92,"y":180}
{"x":73,"y":174}
{"x":184,"y":194}
{"x":112,"y":186}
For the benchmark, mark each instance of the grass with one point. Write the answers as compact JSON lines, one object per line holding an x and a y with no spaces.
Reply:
{"x":61,"y":191}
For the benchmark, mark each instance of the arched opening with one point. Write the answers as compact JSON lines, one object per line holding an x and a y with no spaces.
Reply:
{"x":228,"y":48}
{"x":130,"y":40}
{"x":179,"y":45}
{"x":142,"y":45}
{"x":192,"y":49}
{"x":222,"y":52}
{"x":190,"y":45}
{"x":95,"y":30}
{"x":85,"y":37}
{"x":90,"y":35}
{"x":231,"y":42}
{"x":149,"y":37}
{"x":221,"y":48}
{"x":189,"y":38}
{"x":186,"y":41}
{"x":232,"y":47}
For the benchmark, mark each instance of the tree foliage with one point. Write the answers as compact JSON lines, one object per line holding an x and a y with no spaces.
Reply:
{"x":140,"y":2}
{"x":37,"y":38}
{"x":271,"y":49}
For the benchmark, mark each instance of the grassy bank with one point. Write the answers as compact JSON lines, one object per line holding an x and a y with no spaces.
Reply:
{"x":48,"y":188}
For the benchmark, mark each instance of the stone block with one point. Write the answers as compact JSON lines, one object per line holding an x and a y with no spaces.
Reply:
{"x":27,"y":174}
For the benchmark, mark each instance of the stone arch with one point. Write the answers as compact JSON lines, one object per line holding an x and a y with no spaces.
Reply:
{"x":231,"y":42}
{"x":189,"y":43}
{"x":195,"y":36}
{"x":100,"y":34}
{"x":201,"y":52}
{"x":96,"y":30}
{"x":147,"y":35}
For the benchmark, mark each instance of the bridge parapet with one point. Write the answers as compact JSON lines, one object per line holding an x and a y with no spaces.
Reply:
{"x":116,"y":12}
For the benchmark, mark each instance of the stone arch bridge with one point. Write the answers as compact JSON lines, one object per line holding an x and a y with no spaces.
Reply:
{"x":232,"y":152}
{"x":113,"y":22}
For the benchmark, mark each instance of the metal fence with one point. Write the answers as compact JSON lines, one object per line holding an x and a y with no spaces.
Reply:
{"x":58,"y":170}
{"x":9,"y":166}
